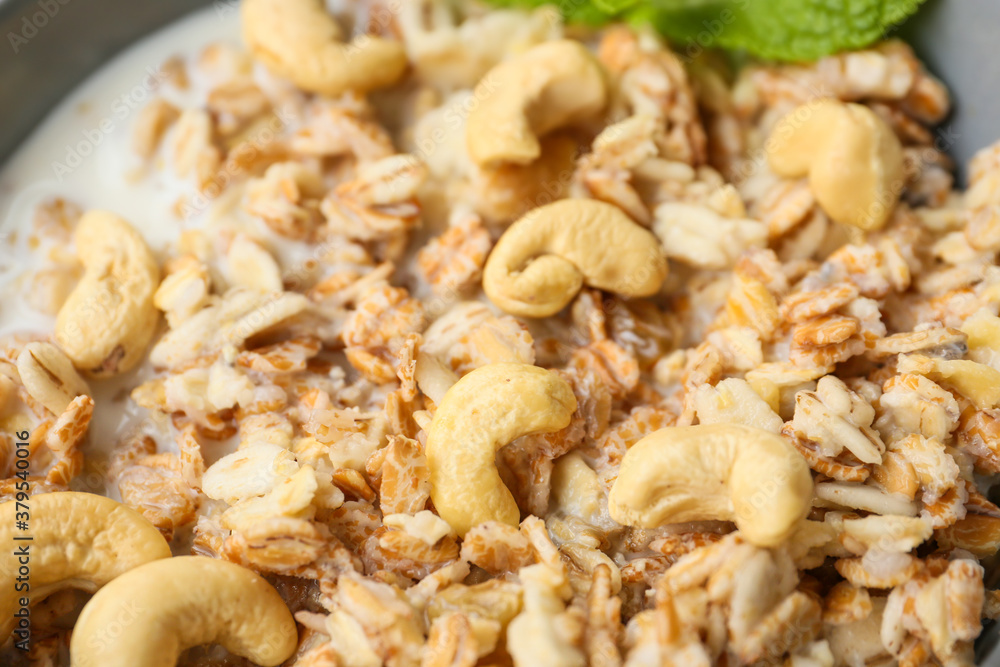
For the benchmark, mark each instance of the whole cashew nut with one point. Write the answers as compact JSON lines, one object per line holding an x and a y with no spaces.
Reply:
{"x":79,"y":540}
{"x":852,"y":157}
{"x":552,"y":85}
{"x":170,"y":605}
{"x":109,"y":318}
{"x":717,"y":471}
{"x":299,"y":40}
{"x":543,"y":259}
{"x":481,"y":413}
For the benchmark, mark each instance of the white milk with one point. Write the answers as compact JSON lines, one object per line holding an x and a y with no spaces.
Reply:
{"x":82,"y":152}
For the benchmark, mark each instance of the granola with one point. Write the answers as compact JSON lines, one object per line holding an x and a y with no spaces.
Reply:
{"x":317,"y":316}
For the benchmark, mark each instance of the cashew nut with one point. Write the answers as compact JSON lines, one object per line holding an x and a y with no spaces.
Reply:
{"x":299,"y":40}
{"x":168,"y":606}
{"x":552,"y":85}
{"x":79,"y":540}
{"x":109,"y":318}
{"x":481,"y":413}
{"x":716,"y":471}
{"x":852,"y":157}
{"x":49,"y":376}
{"x":543,"y":259}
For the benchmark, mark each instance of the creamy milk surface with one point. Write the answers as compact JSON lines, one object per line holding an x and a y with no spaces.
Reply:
{"x":83,"y":153}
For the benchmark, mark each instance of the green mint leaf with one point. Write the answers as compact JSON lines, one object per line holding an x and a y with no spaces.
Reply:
{"x":898,"y":11}
{"x":797,"y":30}
{"x":613,"y":7}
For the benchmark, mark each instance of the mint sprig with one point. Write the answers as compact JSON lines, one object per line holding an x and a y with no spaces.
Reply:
{"x":794,"y":30}
{"x":782,"y":29}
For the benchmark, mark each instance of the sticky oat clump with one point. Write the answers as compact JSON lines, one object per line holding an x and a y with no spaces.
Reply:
{"x":326,"y":294}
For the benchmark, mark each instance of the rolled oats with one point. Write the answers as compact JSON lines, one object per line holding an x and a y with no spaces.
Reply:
{"x":453,"y":262}
{"x":287,"y":199}
{"x":701,"y":237}
{"x":342,"y":126}
{"x":332,"y":300}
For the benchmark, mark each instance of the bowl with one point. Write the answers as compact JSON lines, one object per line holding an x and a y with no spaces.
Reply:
{"x":52,"y":45}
